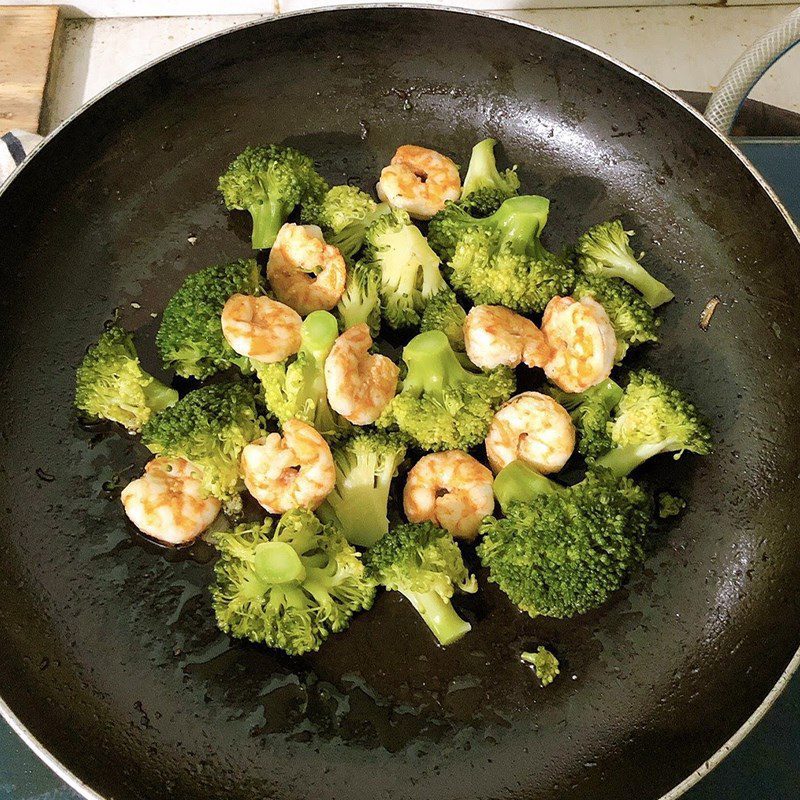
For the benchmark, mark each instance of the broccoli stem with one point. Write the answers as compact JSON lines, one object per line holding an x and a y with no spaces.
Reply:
{"x":608,"y":394}
{"x":278,"y":562}
{"x":482,"y":169}
{"x":439,"y":615}
{"x":518,"y":483}
{"x":268,"y":217}
{"x":318,"y":333}
{"x":623,"y":460}
{"x":432,"y":365}
{"x":629,"y":269}
{"x":520,"y":221}
{"x":159,"y":396}
{"x":364,"y":510}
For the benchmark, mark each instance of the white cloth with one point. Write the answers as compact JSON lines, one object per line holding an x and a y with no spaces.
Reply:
{"x":14,"y":149}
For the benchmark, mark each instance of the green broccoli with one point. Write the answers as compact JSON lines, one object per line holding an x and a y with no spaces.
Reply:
{"x":111,"y":384}
{"x":190,"y":337}
{"x":269,"y":182}
{"x":365,"y":466}
{"x":344,"y":213}
{"x":337,"y":208}
{"x":442,"y":406}
{"x":210,"y":427}
{"x":409,"y":269}
{"x":563,"y":551}
{"x":361,"y":300}
{"x":633,"y":319}
{"x":500,"y":260}
{"x":296,"y":388}
{"x":545,"y":665}
{"x":651,"y":418}
{"x":424,"y":564}
{"x":591,"y":414}
{"x":485,"y":187}
{"x":606,"y":251}
{"x":351,"y":238}
{"x":443,"y":313}
{"x":289,"y":587}
{"x":669,"y":505}
{"x":516,"y":224}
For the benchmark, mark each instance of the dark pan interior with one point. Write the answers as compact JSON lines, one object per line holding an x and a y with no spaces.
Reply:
{"x":109,"y":651}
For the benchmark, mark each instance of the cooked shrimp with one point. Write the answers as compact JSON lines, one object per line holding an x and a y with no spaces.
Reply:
{"x":168,"y":502}
{"x":290,"y":471}
{"x":306,"y":274}
{"x":533,"y":428}
{"x":419,"y":181}
{"x":495,"y":335}
{"x":260,"y":328}
{"x":582,"y":340}
{"x":452,"y":490}
{"x":360,"y":384}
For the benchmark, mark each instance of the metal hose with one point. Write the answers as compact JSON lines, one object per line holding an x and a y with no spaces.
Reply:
{"x":746,"y":71}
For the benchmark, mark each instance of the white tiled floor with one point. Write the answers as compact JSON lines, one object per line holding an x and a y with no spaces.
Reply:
{"x":683,"y":47}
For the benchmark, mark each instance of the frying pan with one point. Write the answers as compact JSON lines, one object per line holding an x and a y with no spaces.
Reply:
{"x":111,"y":663}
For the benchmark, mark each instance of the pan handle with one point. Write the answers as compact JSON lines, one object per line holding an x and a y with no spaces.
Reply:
{"x":748,"y":69}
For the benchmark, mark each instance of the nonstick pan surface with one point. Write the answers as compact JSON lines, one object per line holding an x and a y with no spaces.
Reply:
{"x":110,"y":657}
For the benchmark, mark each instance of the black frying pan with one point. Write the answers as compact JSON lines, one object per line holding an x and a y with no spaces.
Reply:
{"x":110,"y":657}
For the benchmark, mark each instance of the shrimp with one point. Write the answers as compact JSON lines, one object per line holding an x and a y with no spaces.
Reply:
{"x":494,"y":335}
{"x":168,"y":502}
{"x":305,"y":273}
{"x":419,"y":181}
{"x":533,"y":428}
{"x":583,"y":342}
{"x":260,"y":328}
{"x":290,"y":471}
{"x":452,"y":490}
{"x":360,"y":384}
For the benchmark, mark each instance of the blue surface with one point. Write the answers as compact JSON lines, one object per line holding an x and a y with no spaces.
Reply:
{"x":763,"y":767}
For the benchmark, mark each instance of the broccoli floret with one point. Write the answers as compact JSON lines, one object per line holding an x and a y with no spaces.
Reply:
{"x":338,"y":207}
{"x":563,"y":551}
{"x":409,"y":269}
{"x":442,"y":406}
{"x":111,"y":384}
{"x":485,"y":189}
{"x":351,"y":238}
{"x":500,"y":260}
{"x":633,"y":319}
{"x":517,"y":223}
{"x":443,"y":313}
{"x":482,"y":173}
{"x":296,"y":388}
{"x":210,"y":427}
{"x":289,"y":587}
{"x":480,"y":204}
{"x":269,"y":182}
{"x":669,"y":505}
{"x":606,"y":251}
{"x":361,"y":300}
{"x":344,"y":213}
{"x":424,"y":564}
{"x":651,"y":418}
{"x":591,"y":414}
{"x":545,"y":665}
{"x":190,"y":337}
{"x":365,"y":466}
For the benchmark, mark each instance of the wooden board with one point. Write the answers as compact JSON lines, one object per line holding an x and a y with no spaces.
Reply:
{"x":26,"y":41}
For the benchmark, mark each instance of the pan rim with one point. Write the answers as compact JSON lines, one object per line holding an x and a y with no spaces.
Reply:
{"x":62,"y":771}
